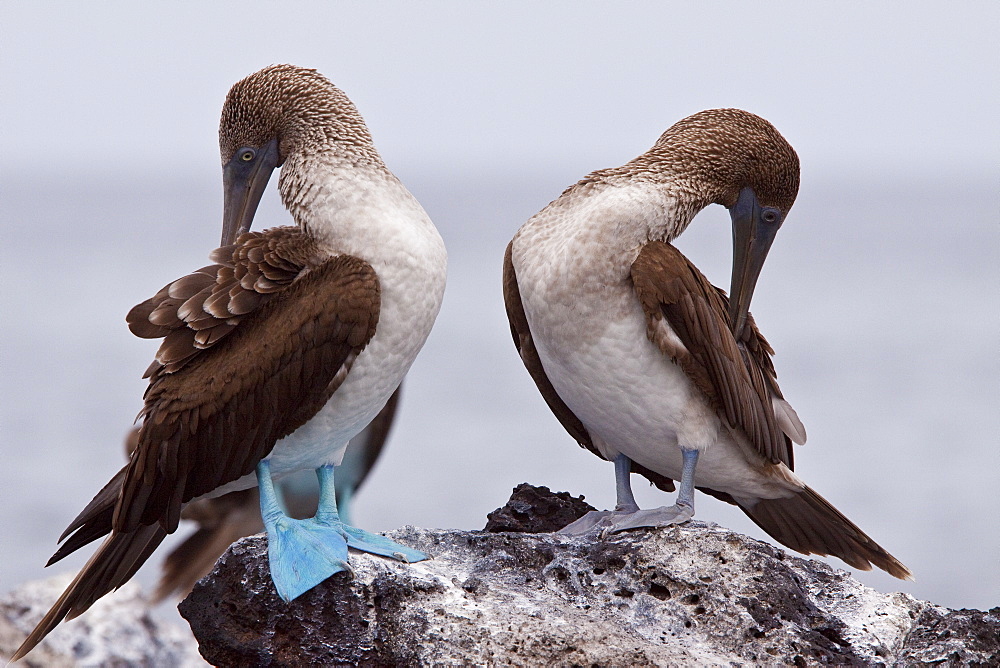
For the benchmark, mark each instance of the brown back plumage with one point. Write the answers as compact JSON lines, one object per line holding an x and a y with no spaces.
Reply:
{"x":206,"y":427}
{"x":200,"y":309}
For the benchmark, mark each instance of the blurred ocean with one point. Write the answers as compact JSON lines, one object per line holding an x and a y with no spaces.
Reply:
{"x":880,"y":296}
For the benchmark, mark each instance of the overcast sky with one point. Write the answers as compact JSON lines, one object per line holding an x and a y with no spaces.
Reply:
{"x":861,"y":86}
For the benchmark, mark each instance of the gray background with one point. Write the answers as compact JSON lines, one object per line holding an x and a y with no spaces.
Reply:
{"x":880,"y":294}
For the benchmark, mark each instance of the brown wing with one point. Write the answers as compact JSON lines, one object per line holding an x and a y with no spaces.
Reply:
{"x":211,"y":420}
{"x":216,"y":405}
{"x":738,"y":378}
{"x":200,"y":309}
{"x":525,"y":345}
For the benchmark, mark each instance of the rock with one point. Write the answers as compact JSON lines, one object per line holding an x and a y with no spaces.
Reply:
{"x":690,"y":594}
{"x":117,"y":631}
{"x":536,"y":510}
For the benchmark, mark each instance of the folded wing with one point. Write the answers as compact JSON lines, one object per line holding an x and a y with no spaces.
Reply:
{"x":687,"y":319}
{"x":252,"y":347}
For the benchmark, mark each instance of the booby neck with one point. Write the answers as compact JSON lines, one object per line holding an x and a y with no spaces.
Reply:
{"x":332,"y":180}
{"x":703,"y":159}
{"x":335,"y":199}
{"x":623,"y":211}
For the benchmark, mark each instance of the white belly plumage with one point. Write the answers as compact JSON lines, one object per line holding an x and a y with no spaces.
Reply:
{"x":635,"y":401}
{"x":373,"y":378}
{"x":409,"y":307}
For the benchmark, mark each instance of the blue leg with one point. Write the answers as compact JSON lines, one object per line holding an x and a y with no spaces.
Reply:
{"x":344,"y":504}
{"x":628,"y":515}
{"x":363,"y":540}
{"x":302,"y":553}
{"x":681,"y":511}
{"x":685,"y":495}
{"x":623,"y":485}
{"x":359,"y":539}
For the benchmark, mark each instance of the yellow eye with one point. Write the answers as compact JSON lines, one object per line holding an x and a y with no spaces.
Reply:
{"x":247,"y":155}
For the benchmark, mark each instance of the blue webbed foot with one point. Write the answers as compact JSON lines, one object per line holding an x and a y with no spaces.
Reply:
{"x":303,"y":553}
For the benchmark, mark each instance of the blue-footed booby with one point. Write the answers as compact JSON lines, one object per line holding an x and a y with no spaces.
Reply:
{"x":280,"y":352}
{"x":646,"y":363}
{"x":223,"y":520}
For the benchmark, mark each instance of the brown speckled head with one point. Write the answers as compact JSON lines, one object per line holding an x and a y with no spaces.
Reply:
{"x":725,"y":150}
{"x":298,"y":106}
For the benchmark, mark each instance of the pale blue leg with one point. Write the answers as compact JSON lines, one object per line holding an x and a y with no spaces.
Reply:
{"x":623,"y":485}
{"x":302,"y":553}
{"x":349,"y":474}
{"x":685,"y":495}
{"x":628,"y":515}
{"x":681,"y":511}
{"x":345,"y":504}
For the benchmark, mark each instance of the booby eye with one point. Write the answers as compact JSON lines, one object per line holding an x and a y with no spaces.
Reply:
{"x":770,"y":216}
{"x":247,"y":155}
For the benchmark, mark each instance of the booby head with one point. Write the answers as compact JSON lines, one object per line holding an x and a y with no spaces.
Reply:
{"x":737,"y":159}
{"x":280,"y":114}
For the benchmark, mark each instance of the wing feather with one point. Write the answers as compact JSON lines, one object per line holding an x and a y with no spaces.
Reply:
{"x":278,"y":366}
{"x":738,"y":377}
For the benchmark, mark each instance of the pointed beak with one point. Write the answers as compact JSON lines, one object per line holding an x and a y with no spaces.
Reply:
{"x":754,"y":229}
{"x":243,"y":185}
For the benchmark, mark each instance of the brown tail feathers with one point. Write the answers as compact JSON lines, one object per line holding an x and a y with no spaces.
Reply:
{"x":117,"y":560}
{"x":808,"y":523}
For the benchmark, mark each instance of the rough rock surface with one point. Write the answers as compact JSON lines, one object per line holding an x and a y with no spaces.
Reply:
{"x":690,"y":594}
{"x":117,"y":631}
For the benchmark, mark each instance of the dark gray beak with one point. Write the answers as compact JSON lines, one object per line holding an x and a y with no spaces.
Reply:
{"x":754,"y":229}
{"x":243,"y":183}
